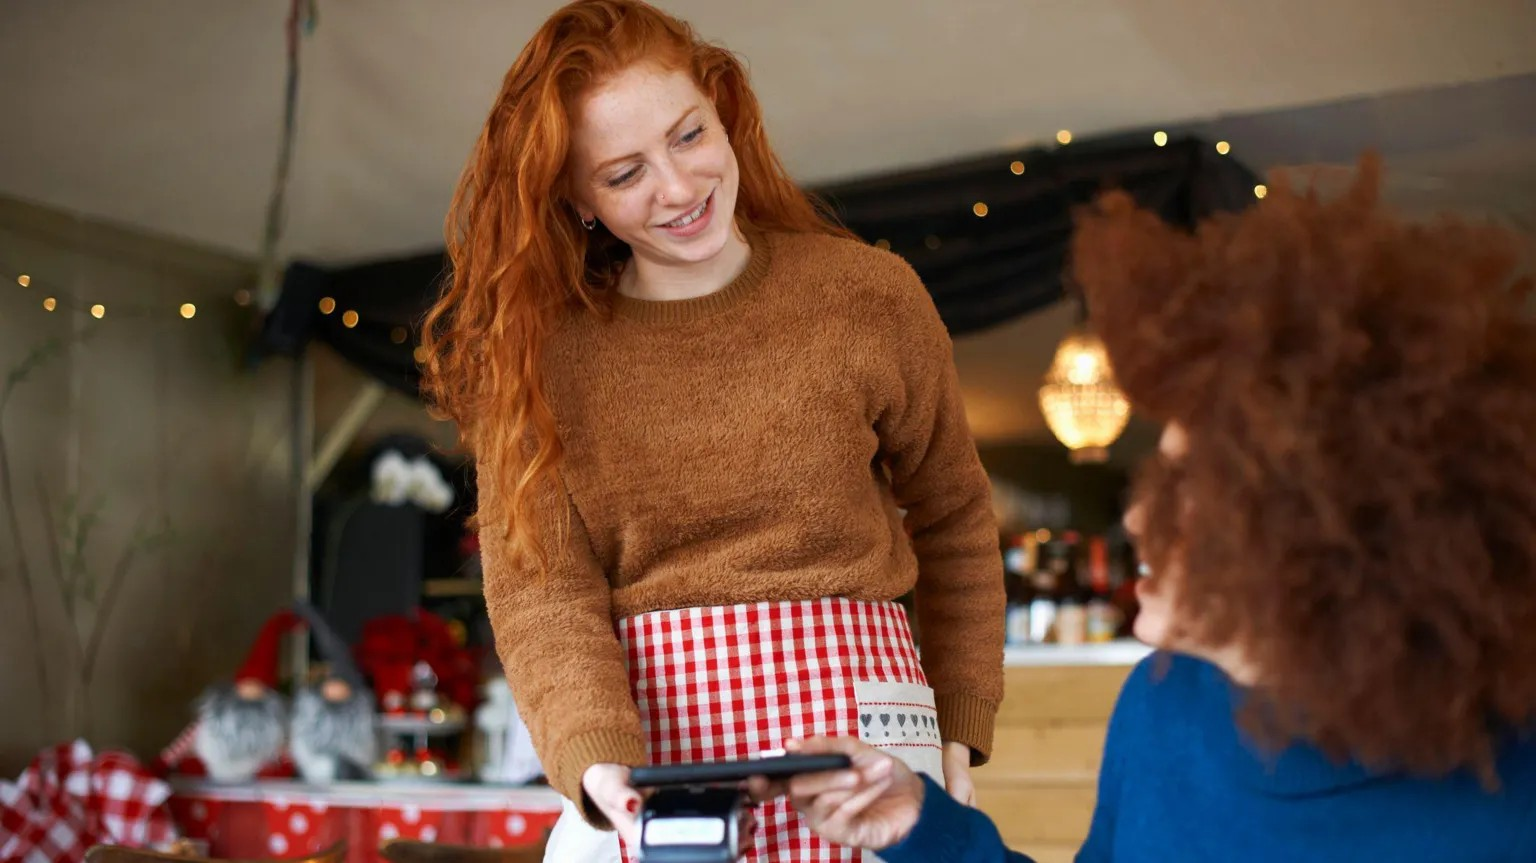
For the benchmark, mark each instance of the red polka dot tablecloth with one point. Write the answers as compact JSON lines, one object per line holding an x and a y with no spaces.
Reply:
{"x":290,"y":819}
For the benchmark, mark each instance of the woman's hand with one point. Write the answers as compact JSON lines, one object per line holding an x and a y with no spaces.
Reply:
{"x":957,"y":773}
{"x":607,"y":787}
{"x":874,"y":805}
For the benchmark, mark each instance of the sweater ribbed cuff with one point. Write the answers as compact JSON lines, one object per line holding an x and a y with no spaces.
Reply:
{"x":603,"y":746}
{"x":967,"y":719}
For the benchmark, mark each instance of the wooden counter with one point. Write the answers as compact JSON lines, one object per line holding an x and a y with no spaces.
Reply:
{"x":1040,"y":785}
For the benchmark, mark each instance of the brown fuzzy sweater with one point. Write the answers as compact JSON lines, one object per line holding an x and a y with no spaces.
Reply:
{"x":753,"y":445}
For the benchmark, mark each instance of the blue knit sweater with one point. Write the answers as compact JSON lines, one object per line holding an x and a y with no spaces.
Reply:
{"x":1180,"y":782}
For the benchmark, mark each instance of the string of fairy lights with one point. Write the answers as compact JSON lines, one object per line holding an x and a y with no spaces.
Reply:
{"x":51,"y":298}
{"x":54,"y":299}
{"x":981,"y":210}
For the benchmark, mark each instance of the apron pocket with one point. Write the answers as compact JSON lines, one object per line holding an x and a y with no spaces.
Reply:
{"x":900,"y":720}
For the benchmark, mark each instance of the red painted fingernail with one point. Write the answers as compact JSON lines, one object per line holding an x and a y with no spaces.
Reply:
{"x":633,"y":806}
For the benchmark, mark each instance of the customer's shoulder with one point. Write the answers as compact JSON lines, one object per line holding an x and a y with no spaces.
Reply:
{"x":1163,"y":672}
{"x":1517,"y":764}
{"x":1165,"y":681}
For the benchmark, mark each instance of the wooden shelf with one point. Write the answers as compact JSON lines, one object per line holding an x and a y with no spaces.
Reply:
{"x":419,"y":725}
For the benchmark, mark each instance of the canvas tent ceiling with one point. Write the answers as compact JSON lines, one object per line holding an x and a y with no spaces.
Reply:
{"x":164,"y":114}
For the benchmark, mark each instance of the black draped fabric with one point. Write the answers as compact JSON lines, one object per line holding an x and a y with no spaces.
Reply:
{"x":390,"y":299}
{"x":982,"y":271}
{"x":985,"y":270}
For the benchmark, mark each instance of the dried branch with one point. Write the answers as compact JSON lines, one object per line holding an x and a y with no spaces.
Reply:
{"x":61,"y":578}
{"x":141,"y":541}
{"x":17,"y":375}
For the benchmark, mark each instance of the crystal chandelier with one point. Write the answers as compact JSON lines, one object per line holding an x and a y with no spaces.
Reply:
{"x":1082,"y":405}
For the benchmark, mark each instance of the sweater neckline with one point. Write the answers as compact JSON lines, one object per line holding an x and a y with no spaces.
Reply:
{"x":695,"y":308}
{"x":1296,"y":768}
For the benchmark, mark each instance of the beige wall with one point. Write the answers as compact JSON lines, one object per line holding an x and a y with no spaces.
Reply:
{"x":181,"y":460}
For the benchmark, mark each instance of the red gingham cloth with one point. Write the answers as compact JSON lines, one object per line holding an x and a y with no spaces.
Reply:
{"x":67,"y":800}
{"x":730,"y":682}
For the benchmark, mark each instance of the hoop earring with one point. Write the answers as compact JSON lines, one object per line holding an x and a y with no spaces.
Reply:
{"x":586,"y":224}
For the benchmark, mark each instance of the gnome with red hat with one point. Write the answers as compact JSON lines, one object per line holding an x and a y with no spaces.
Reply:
{"x":241,"y":725}
{"x":245,"y":729}
{"x":332,"y":734}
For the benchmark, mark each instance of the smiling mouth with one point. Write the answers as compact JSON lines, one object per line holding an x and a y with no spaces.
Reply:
{"x":690,"y":218}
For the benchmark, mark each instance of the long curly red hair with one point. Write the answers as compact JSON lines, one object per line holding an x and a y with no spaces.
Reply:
{"x":1357,"y":508}
{"x":520,"y":258}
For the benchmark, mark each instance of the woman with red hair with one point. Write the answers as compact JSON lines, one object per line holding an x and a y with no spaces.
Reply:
{"x":699,"y":409}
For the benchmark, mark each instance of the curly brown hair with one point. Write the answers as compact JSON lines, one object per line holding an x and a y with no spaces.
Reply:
{"x":1357,"y":508}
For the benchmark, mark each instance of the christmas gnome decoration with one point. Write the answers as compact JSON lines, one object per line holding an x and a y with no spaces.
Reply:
{"x":331,"y":735}
{"x":241,"y":725}
{"x":245,"y":728}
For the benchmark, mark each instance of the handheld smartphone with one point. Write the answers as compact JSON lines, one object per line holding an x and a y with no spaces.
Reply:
{"x":716,"y":772}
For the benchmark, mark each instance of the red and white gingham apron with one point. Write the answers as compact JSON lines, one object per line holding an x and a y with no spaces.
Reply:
{"x":730,"y":682}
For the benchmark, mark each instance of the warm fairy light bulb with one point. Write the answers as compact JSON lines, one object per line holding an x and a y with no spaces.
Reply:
{"x":883,"y":244}
{"x":327,"y":305}
{"x":979,"y":208}
{"x":1223,"y":147}
{"x":1017,"y":168}
{"x":1160,"y":138}
{"x":242,"y":297}
{"x":1063,"y":137}
{"x":188,"y":310}
{"x":98,"y":311}
{"x":349,"y":319}
{"x":398,"y":335}
{"x":1260,"y":190}
{"x":420,"y":354}
{"x":50,"y":304}
{"x":24,"y":280}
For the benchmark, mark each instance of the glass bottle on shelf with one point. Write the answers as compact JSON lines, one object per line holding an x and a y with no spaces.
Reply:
{"x":1043,"y":604}
{"x":1103,"y":618}
{"x":1128,"y":566}
{"x":1071,"y":613}
{"x":1019,"y":562}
